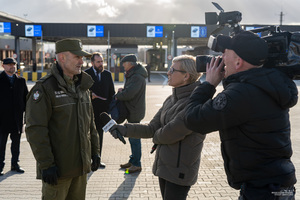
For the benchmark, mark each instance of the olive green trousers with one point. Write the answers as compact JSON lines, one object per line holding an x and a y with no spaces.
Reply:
{"x":66,"y":188}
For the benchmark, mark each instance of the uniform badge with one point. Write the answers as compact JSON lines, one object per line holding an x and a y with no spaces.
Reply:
{"x":220,"y":102}
{"x":36,"y":95}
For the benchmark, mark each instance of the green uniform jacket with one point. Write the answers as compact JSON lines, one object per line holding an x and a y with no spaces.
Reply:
{"x":134,"y":92}
{"x":60,"y":125}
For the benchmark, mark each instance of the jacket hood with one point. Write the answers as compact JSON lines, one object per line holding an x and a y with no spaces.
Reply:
{"x":139,"y":69}
{"x":273,"y":82}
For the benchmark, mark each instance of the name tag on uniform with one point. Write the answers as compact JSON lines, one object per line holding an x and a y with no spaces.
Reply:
{"x":60,"y":94}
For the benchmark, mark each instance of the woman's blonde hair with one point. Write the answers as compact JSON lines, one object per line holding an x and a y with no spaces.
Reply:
{"x":188,"y":64}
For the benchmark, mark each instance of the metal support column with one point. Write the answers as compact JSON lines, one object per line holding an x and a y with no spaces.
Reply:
{"x":108,"y":51}
{"x":169,"y":52}
{"x":17,"y":50}
{"x":34,"y":53}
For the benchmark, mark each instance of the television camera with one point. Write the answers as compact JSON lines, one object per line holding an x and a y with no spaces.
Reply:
{"x":283,"y":46}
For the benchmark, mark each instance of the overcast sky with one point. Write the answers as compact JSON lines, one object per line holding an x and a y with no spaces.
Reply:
{"x":150,"y":11}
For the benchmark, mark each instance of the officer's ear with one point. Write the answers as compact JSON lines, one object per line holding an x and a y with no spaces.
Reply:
{"x":61,"y":57}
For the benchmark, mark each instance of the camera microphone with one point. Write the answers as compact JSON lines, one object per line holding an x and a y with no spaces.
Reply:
{"x":108,"y":123}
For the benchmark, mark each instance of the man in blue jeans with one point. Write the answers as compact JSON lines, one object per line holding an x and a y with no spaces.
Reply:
{"x":133,"y":96}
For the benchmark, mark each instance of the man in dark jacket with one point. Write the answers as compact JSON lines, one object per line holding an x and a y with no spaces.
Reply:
{"x":102,"y":90}
{"x":13,"y":90}
{"x":133,"y":96}
{"x":60,"y":125}
{"x":252,"y":116}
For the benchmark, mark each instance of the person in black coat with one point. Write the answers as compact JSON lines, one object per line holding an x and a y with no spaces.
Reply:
{"x":102,"y":90}
{"x":252,"y":116}
{"x":13,"y":90}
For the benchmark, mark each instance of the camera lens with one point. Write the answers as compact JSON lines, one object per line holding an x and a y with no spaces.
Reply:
{"x":201,"y":62}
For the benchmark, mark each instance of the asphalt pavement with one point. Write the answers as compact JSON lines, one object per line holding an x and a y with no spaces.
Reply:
{"x":113,"y":183}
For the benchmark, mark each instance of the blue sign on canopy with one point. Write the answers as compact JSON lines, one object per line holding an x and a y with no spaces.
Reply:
{"x":198,"y":31}
{"x":5,"y":27}
{"x":33,"y":30}
{"x":95,"y":31}
{"x":155,"y":31}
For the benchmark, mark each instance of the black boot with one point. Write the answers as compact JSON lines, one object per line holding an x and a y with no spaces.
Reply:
{"x":17,"y":168}
{"x":102,"y":165}
{"x":1,"y":169}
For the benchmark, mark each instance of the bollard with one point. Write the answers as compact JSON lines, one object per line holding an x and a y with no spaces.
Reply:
{"x":121,"y":77}
{"x":44,"y":74}
{"x":25,"y":75}
{"x":113,"y":76}
{"x":34,"y":76}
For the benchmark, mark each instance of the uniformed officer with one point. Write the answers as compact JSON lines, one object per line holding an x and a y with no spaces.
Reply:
{"x":60,"y":125}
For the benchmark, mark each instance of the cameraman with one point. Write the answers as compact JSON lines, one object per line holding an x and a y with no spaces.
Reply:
{"x":252,"y":116}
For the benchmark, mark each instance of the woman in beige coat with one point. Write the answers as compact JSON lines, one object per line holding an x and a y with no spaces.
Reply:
{"x":178,"y":149}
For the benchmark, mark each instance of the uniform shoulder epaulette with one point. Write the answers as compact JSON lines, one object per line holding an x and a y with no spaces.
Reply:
{"x":44,"y":78}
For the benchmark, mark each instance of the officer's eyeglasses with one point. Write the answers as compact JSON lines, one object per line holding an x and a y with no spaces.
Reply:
{"x":172,"y":70}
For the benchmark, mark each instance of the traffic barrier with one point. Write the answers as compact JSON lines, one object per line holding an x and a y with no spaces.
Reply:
{"x":121,"y":77}
{"x":43,"y":74}
{"x":113,"y":76}
{"x":25,"y":75}
{"x":34,"y":76}
{"x":118,"y":76}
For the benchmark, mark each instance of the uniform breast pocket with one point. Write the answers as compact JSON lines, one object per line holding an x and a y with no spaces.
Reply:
{"x":64,"y":105}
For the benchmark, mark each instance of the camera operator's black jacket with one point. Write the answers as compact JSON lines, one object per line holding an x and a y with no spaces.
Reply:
{"x":252,"y":116}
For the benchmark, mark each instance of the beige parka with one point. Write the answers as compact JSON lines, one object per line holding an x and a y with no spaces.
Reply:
{"x":179,"y":149}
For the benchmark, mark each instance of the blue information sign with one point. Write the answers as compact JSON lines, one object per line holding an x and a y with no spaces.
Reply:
{"x":33,"y":30}
{"x":198,"y":31}
{"x":95,"y":31}
{"x":155,"y":31}
{"x":5,"y":27}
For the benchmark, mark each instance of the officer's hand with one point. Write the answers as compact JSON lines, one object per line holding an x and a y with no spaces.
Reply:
{"x":122,"y":130}
{"x":95,"y":162}
{"x":50,"y":175}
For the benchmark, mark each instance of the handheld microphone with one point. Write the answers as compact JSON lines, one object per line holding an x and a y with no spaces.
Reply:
{"x":107,"y":123}
{"x":153,"y":148}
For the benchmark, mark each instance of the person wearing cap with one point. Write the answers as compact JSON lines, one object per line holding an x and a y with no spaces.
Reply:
{"x":102,"y":90}
{"x":13,"y":90}
{"x":60,"y":125}
{"x":251,"y":115}
{"x":133,"y":96}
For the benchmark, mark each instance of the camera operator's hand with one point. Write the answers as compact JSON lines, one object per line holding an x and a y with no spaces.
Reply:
{"x":50,"y":175}
{"x":122,"y":130}
{"x":214,"y":71}
{"x":95,"y":163}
